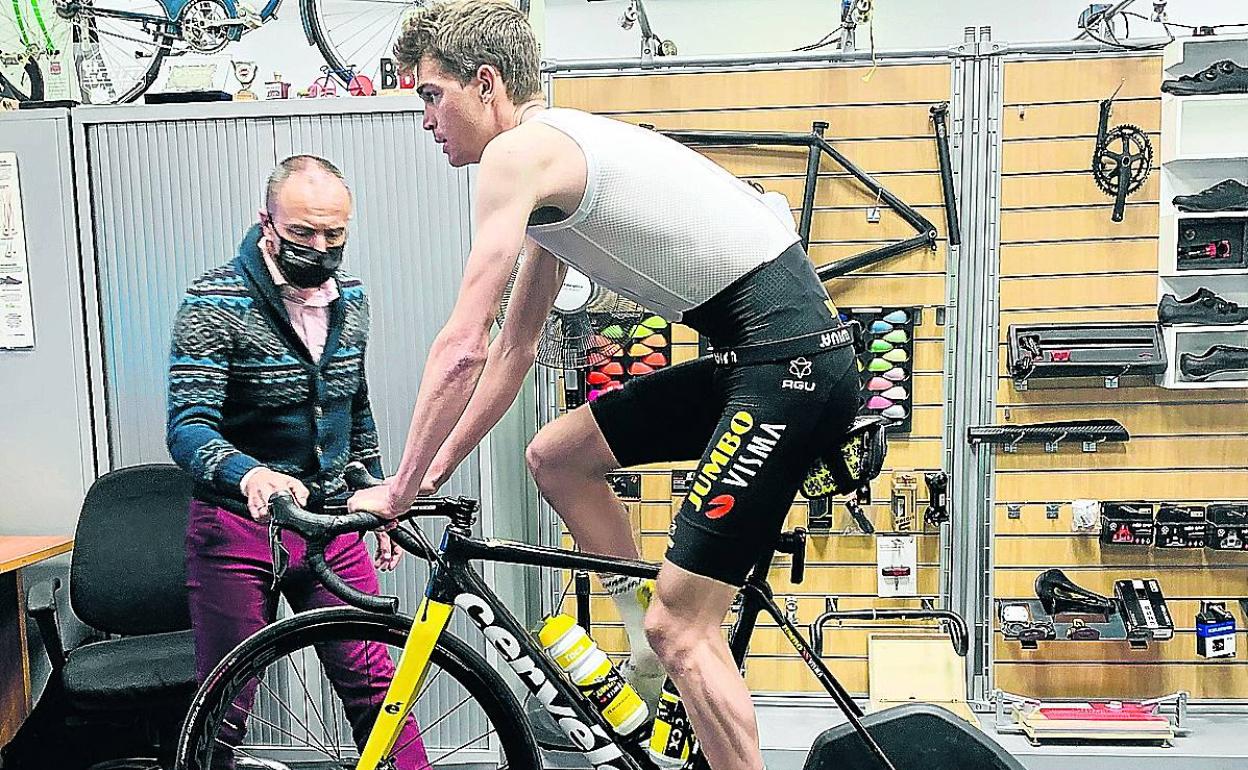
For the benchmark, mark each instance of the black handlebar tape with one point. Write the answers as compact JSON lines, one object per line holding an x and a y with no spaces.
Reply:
{"x":317,"y":530}
{"x":387,"y":605}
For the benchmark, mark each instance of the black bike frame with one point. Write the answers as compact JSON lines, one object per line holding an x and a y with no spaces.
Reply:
{"x":816,"y":146}
{"x":453,"y":581}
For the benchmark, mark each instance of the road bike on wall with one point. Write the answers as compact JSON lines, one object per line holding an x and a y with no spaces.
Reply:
{"x":119,"y":46}
{"x":26,"y":43}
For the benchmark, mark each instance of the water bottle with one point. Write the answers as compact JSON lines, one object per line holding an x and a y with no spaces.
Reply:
{"x":593,"y":673}
{"x":671,"y":737}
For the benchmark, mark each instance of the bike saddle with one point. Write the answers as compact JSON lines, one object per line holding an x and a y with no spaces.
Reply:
{"x":1059,"y":596}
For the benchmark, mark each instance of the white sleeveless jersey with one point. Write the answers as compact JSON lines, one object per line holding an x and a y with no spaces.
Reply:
{"x":659,"y":223}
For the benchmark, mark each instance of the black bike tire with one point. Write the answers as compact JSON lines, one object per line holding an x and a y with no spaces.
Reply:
{"x":149,"y":77}
{"x":312,"y":15}
{"x":452,"y":654}
{"x":34,"y":73}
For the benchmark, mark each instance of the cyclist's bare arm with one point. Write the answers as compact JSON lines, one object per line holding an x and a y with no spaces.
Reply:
{"x":509,"y":359}
{"x":508,"y":187}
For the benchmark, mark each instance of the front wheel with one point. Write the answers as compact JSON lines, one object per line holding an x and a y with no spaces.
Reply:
{"x":269,"y":704}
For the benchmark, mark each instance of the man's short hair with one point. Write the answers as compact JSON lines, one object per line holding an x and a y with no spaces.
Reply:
{"x":463,"y":35}
{"x":297,"y":164}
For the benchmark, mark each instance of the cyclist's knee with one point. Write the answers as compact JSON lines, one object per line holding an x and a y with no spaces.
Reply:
{"x":546,"y":457}
{"x":559,"y":450}
{"x":674,"y":639}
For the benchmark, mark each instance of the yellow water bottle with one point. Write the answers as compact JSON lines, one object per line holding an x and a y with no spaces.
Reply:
{"x":671,"y":737}
{"x":592,"y":672}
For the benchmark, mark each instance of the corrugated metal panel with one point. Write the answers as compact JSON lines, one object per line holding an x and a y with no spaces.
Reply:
{"x":171,"y":199}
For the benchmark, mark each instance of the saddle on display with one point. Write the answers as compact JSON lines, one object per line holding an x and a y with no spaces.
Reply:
{"x":1060,"y":596}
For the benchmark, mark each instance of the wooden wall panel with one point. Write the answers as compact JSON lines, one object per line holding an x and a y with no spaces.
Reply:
{"x":1169,"y":651}
{"x":1081,"y":81}
{"x":1063,"y":261}
{"x":882,"y":126}
{"x":1045,"y":121}
{"x":1078,"y":258}
{"x":845,"y":122}
{"x":811,"y":88}
{"x":1052,"y":156}
{"x":1068,"y":189}
{"x":1208,"y":679}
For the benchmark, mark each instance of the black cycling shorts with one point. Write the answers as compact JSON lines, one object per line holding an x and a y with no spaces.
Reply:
{"x":757,"y":428}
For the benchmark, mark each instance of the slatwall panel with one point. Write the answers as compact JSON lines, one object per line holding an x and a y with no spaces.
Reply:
{"x":881,"y":124}
{"x":1063,"y":260}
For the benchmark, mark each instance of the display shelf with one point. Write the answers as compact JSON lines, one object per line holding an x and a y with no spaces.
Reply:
{"x":1170,"y":237}
{"x":1189,"y":55}
{"x":1196,"y":128}
{"x":1240,"y":328}
{"x":1203,"y":142}
{"x":1181,"y":340}
{"x":1181,"y":215}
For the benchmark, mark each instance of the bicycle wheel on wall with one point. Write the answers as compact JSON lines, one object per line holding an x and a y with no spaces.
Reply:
{"x":116,"y":57}
{"x":354,"y":35}
{"x":273,"y":687}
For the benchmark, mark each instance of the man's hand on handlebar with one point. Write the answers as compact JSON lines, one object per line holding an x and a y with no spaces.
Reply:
{"x":388,"y":554}
{"x":263,"y":484}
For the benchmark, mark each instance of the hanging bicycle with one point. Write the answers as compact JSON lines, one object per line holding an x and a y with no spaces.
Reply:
{"x":119,"y":45}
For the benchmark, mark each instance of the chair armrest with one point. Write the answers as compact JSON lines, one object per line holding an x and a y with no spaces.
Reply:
{"x":41,"y":605}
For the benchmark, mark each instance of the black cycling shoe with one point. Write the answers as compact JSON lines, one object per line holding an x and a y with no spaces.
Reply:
{"x":1059,"y":596}
{"x":1224,"y":77}
{"x":1219,"y":359}
{"x":1227,"y":195}
{"x":1203,"y":308}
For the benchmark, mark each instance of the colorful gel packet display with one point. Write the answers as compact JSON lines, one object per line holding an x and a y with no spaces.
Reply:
{"x":887,"y":366}
{"x":628,"y":350}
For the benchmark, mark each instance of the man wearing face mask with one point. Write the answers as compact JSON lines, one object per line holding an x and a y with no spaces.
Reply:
{"x":267,"y":393}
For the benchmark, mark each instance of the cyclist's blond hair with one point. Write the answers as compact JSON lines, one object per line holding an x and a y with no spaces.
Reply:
{"x":463,"y":35}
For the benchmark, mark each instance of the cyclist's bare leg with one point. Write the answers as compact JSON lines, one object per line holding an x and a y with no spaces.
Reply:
{"x":683,"y":625}
{"x":569,"y":459}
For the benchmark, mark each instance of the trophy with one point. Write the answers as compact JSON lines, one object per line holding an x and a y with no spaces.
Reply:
{"x":245,"y":71}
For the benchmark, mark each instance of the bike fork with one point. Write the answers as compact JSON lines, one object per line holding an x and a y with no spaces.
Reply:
{"x":431,"y":621}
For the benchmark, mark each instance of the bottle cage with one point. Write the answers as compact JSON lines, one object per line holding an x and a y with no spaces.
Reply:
{"x":851,"y":463}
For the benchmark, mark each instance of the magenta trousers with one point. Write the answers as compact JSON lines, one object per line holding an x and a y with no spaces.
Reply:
{"x":229,"y":571}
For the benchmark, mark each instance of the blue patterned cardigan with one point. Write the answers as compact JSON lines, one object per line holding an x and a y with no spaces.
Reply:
{"x":244,"y":391}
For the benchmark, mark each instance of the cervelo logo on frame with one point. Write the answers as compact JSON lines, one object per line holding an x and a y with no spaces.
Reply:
{"x":600,"y":749}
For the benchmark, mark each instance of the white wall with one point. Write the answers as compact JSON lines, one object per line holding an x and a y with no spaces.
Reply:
{"x":578,"y":29}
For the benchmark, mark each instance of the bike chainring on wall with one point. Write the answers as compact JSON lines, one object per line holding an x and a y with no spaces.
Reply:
{"x":1121,"y":163}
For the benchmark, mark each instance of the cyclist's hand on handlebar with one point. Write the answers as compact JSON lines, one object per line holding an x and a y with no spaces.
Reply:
{"x":388,"y":554}
{"x":262,"y":484}
{"x":375,"y":500}
{"x":429,"y":487}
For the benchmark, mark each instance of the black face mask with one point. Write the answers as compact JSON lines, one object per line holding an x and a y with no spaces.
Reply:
{"x":304,"y":266}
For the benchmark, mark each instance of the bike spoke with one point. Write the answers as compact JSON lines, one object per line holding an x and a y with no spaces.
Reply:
{"x":311,"y":703}
{"x":290,"y":712}
{"x":374,"y":27}
{"x":452,"y":752}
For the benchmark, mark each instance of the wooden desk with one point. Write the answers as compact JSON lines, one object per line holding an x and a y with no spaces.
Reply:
{"x":17,"y":552}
